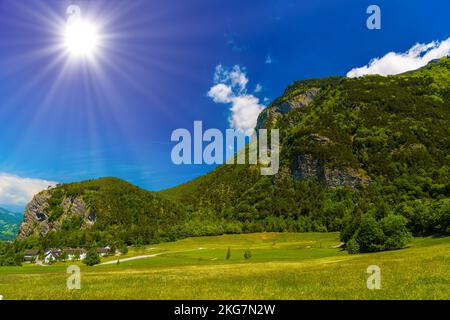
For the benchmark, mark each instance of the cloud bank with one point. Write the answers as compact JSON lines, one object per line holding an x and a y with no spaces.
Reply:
{"x":18,"y":191}
{"x":394,"y":63}
{"x":230,"y":87}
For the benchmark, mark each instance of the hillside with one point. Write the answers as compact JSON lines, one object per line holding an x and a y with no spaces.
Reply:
{"x":370,"y":151}
{"x":348,"y":146}
{"x":9,"y":224}
{"x":282,"y":266}
{"x":105,"y":209}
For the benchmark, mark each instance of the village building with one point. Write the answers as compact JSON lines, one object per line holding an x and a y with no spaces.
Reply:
{"x":52,"y":255}
{"x":70,"y":254}
{"x":30,"y":256}
{"x":103,"y":251}
{"x":75,"y":254}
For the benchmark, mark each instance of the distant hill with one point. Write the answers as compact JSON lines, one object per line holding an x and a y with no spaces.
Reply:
{"x":79,"y":213}
{"x":349,"y":147}
{"x":9,"y":224}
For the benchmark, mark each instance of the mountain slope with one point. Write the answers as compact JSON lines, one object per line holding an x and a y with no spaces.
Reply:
{"x":348,"y":146}
{"x":9,"y":224}
{"x":97,"y":210}
{"x":373,"y":146}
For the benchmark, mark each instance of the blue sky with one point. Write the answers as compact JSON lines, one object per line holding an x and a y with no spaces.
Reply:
{"x":68,"y":120}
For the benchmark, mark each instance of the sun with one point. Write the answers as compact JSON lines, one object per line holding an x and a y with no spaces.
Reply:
{"x":81,"y":38}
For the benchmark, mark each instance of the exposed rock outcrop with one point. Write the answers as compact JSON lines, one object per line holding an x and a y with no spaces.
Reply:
{"x":345,"y":177}
{"x":299,"y":101}
{"x":37,"y":220}
{"x":306,"y":167}
{"x":270,"y":114}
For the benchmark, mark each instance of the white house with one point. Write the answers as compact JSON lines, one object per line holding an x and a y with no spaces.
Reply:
{"x":103,"y":251}
{"x":75,"y":254}
{"x":52,"y":255}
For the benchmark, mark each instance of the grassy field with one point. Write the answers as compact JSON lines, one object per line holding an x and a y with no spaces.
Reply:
{"x":282,"y":266}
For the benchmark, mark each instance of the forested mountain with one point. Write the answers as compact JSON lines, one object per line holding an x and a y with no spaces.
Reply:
{"x":103,"y":210}
{"x":9,"y":224}
{"x":375,"y":146}
{"x":356,"y":154}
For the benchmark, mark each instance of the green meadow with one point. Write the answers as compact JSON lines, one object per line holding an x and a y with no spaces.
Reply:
{"x":282,"y":266}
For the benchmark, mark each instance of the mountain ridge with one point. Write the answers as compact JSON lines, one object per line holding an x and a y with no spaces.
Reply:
{"x":373,"y":145}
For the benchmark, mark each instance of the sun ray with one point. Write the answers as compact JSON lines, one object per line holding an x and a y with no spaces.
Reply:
{"x":79,"y":85}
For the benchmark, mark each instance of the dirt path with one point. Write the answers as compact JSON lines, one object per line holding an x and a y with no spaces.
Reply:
{"x":132,"y":258}
{"x":144,"y":256}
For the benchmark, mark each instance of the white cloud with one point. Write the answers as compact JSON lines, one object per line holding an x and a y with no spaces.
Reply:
{"x":230,"y":86}
{"x":245,"y":111}
{"x":394,"y":63}
{"x":238,"y":78}
{"x":258,"y":88}
{"x":19,"y":191}
{"x":235,"y":77}
{"x":269,"y":59}
{"x":221,"y":93}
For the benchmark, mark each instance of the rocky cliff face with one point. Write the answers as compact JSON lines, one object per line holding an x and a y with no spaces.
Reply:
{"x":269,"y":116}
{"x":104,"y":208}
{"x":304,"y":165}
{"x":37,"y":220}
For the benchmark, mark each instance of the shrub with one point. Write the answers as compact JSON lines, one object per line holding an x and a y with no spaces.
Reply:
{"x":92,"y":258}
{"x":395,"y":232}
{"x":369,"y":236}
{"x":123,"y":249}
{"x":352,"y":246}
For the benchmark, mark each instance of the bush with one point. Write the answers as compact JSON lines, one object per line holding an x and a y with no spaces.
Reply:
{"x":395,"y":232}
{"x":123,"y":249}
{"x":247,"y":254}
{"x":228,"y":253}
{"x":92,"y":258}
{"x":370,"y":236}
{"x":352,"y":246}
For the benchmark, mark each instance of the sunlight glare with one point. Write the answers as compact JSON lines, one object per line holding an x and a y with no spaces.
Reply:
{"x":81,"y":38}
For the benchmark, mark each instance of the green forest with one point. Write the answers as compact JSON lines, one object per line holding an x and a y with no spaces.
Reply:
{"x":9,"y":224}
{"x":391,"y":132}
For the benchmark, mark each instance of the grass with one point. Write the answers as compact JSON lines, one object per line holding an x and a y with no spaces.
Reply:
{"x":283,"y":266}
